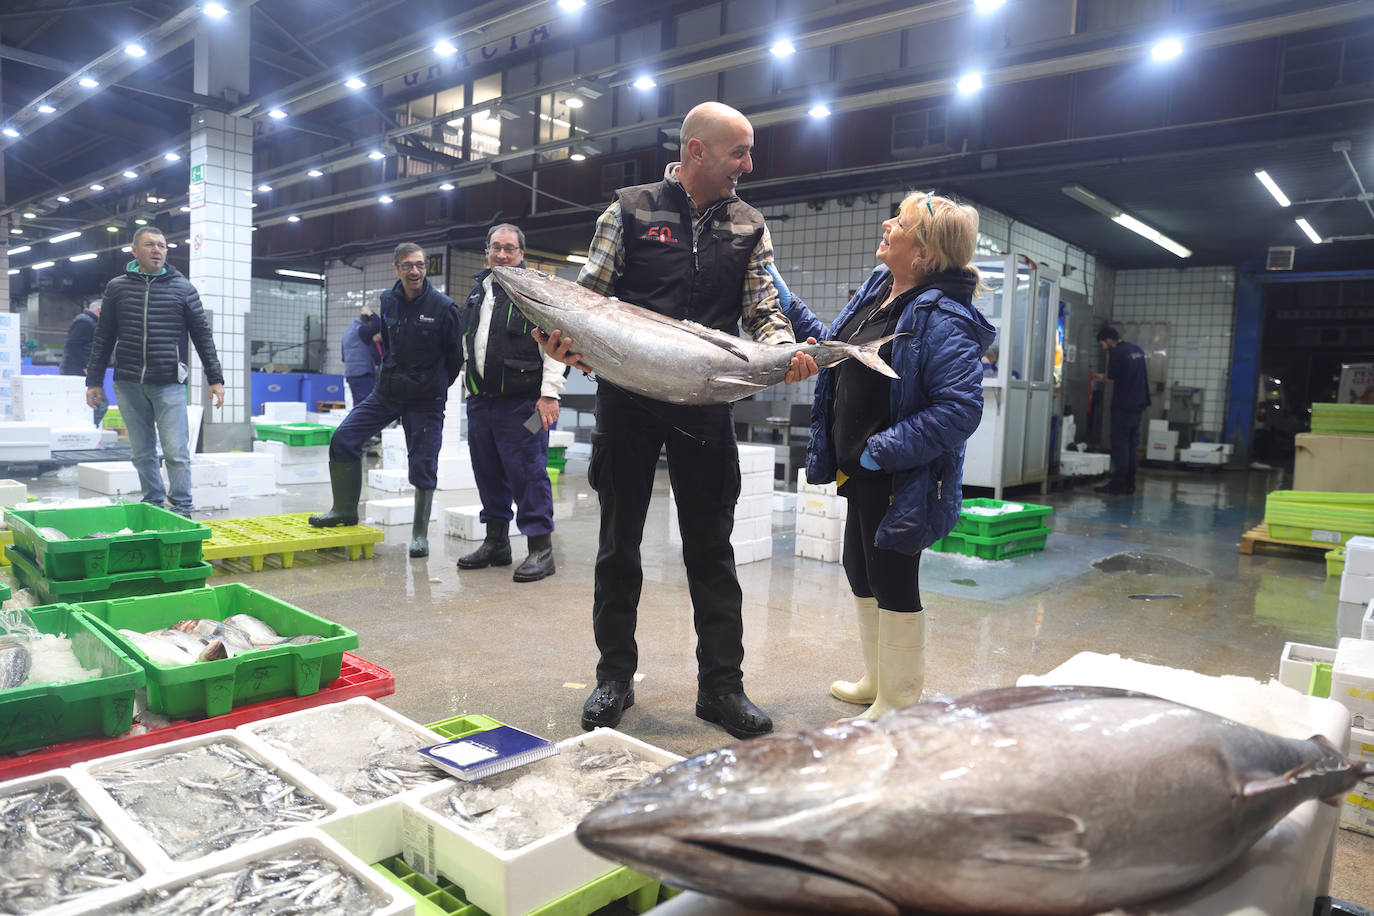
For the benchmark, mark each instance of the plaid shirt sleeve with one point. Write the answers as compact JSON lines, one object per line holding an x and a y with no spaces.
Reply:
{"x":606,"y":254}
{"x":762,"y":317}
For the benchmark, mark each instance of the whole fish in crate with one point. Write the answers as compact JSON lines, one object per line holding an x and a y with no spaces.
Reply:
{"x":680,"y":362}
{"x":1027,"y":800}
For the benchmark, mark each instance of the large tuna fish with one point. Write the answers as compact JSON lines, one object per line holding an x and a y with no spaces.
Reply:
{"x":680,"y":362}
{"x":1031,"y":800}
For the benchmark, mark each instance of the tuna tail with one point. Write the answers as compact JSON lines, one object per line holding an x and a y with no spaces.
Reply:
{"x":868,"y":353}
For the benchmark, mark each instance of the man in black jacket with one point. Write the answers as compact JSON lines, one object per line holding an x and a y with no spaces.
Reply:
{"x":422,"y":356}
{"x":149,"y":311}
{"x":1128,"y":368}
{"x":76,"y":352}
{"x":510,"y":383}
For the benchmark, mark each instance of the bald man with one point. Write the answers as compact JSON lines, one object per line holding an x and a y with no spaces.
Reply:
{"x":688,"y":248}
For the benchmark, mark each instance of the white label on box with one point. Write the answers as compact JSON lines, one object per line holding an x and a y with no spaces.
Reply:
{"x":417,"y":843}
{"x":1333,"y":537}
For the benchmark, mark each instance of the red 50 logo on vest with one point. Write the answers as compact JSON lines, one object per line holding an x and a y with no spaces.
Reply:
{"x":662,"y":234}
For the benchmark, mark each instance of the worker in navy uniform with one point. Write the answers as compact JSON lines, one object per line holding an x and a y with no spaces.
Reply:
{"x":422,"y":355}
{"x":510,"y":382}
{"x":1128,"y":370}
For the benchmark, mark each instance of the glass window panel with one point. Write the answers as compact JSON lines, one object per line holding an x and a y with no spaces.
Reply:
{"x":1040,"y":337}
{"x":486,"y":132}
{"x":1020,"y":315}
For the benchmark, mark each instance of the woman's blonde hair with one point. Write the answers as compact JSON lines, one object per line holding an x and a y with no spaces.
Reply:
{"x":946,"y":229}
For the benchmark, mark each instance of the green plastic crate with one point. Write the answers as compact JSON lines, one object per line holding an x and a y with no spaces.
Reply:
{"x":4,"y":592}
{"x":295,"y":433}
{"x":25,"y":570}
{"x":161,"y":539}
{"x":557,"y":464}
{"x":1343,"y":419}
{"x":1029,"y":518}
{"x":462,"y":726}
{"x":1002,"y":547}
{"x":112,"y":419}
{"x":42,"y":714}
{"x":1316,"y":536}
{"x":1335,"y":563}
{"x":213,"y":688}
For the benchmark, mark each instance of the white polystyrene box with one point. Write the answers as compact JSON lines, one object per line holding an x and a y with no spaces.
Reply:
{"x":1357,"y":808}
{"x":206,"y":498}
{"x":560,"y":438}
{"x":760,"y":505}
{"x":455,"y":473}
{"x":803,"y":486}
{"x":826,"y":551}
{"x":1359,"y":555}
{"x":397,"y":481}
{"x":512,"y":882}
{"x":1295,"y":664}
{"x":826,"y":528}
{"x":756,"y":459}
{"x":24,"y":432}
{"x":74,"y":438}
{"x":399,"y":510}
{"x":394,"y":437}
{"x":292,"y":454}
{"x":283,"y":411}
{"x":394,"y":457}
{"x":303,"y":473}
{"x":1349,"y":619}
{"x":783,"y":501}
{"x":1356,"y":588}
{"x":464,"y":522}
{"x":1352,"y":679}
{"x":12,"y":492}
{"x":1367,"y":622}
{"x":205,"y":473}
{"x":824,"y":506}
{"x":113,"y":478}
{"x":250,"y":473}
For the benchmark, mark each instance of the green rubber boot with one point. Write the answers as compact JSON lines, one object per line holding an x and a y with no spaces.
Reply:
{"x":419,"y":527}
{"x":346,"y":480}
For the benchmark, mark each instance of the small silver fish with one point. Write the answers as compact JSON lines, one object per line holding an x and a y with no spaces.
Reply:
{"x":259,"y":633}
{"x":15,"y":662}
{"x":1028,"y":800}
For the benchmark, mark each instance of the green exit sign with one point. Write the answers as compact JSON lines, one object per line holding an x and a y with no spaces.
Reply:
{"x":198,"y":172}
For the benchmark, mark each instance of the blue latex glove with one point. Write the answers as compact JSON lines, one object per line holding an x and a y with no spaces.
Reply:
{"x":866,"y":460}
{"x":784,"y":294}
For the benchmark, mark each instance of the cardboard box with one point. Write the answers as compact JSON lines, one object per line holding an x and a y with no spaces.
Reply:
{"x":1352,"y":679}
{"x":1333,"y":464}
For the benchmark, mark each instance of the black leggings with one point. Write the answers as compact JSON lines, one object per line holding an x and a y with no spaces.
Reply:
{"x":891,"y":577}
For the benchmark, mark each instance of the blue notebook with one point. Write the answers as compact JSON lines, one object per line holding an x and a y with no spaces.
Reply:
{"x":487,"y":753}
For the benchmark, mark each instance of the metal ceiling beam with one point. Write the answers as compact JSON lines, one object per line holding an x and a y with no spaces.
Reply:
{"x":54,"y":10}
{"x":42,"y":61}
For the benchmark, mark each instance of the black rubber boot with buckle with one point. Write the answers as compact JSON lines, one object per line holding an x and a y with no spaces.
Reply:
{"x":539,"y":564}
{"x":495,"y":550}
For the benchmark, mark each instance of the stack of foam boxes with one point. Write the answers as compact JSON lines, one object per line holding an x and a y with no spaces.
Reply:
{"x":59,"y":402}
{"x":752,"y":538}
{"x":820,"y":517}
{"x":10,"y":353}
{"x":209,"y":483}
{"x":295,"y":464}
{"x":1161,"y":442}
{"x":1357,"y":589}
{"x":249,"y":474}
{"x":455,"y":462}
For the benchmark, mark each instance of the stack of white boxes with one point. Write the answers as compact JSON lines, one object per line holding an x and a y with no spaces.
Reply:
{"x":283,"y":412}
{"x":752,"y":537}
{"x":1357,"y":589}
{"x":60,"y":402}
{"x":250,"y":473}
{"x":209,"y":483}
{"x":293,"y":464}
{"x":10,"y":353}
{"x":455,"y":462}
{"x":821,"y":515}
{"x":1215,"y":453}
{"x":1161,"y":442}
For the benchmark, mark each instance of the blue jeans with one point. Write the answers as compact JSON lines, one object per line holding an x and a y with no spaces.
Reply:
{"x":152,"y":412}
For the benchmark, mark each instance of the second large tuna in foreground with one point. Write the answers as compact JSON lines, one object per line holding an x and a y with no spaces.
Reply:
{"x":1031,"y":800}
{"x":679,"y":362}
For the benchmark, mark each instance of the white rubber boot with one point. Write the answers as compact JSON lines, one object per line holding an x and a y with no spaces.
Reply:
{"x":865,"y":689}
{"x":901,"y":661}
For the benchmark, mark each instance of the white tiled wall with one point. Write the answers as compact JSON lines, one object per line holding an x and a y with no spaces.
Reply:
{"x":1199,"y":304}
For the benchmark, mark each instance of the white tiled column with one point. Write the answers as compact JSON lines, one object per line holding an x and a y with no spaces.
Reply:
{"x":221,"y":244}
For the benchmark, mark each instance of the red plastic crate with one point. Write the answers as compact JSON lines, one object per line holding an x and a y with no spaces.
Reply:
{"x":357,"y":678}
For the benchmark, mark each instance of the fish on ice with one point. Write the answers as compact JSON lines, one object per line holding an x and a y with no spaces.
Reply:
{"x":1027,"y":800}
{"x":679,"y":362}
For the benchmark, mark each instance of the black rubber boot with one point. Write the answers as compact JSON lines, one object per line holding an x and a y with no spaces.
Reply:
{"x":495,"y":550}
{"x":539,"y":564}
{"x":419,"y":528}
{"x":346,"y":480}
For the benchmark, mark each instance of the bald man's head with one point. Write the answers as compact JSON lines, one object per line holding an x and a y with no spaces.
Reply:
{"x":716,"y":142}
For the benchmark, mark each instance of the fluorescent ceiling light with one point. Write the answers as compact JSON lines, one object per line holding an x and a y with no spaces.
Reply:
{"x":819,"y":111}
{"x":42,"y":265}
{"x":303,"y":274}
{"x":97,"y":187}
{"x":171,"y":157}
{"x":571,"y":6}
{"x":214,"y":11}
{"x":1312,"y":234}
{"x":987,"y":6}
{"x":252,"y":205}
{"x":1124,"y":219}
{"x":573,"y":102}
{"x":87,"y":82}
{"x":130,"y":173}
{"x":11,"y":133}
{"x":577,"y":258}
{"x":376,"y":155}
{"x":644,"y":82}
{"x":783,"y":48}
{"x":293,"y":218}
{"x":445,"y":49}
{"x":384,"y":199}
{"x":45,"y":108}
{"x":446,"y":186}
{"x":577,"y":156}
{"x":20,"y":250}
{"x":264,"y":188}
{"x":969,"y":83}
{"x":354,"y":83}
{"x":1273,"y":188}
{"x":134,"y":50}
{"x":314,"y":173}
{"x":64,"y":237}
{"x":276,"y":114}
{"x":85,"y":256}
{"x":1166,"y":49}
{"x":63,"y":199}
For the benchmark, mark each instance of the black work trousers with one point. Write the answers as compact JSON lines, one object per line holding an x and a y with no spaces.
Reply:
{"x":703,"y":466}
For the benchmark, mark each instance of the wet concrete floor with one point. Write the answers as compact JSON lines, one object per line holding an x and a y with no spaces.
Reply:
{"x":476,"y":642}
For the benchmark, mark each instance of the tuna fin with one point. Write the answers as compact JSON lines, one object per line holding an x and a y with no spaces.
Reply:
{"x":1030,"y":838}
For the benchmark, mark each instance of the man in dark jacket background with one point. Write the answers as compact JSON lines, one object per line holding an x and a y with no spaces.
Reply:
{"x":1128,"y":370}
{"x":149,"y":311}
{"x":510,"y":382}
{"x":76,"y":351}
{"x":361,"y":354}
{"x":422,"y":355}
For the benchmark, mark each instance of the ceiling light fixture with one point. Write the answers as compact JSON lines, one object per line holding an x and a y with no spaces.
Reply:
{"x":64,"y":237}
{"x":97,"y":187}
{"x":85,"y":256}
{"x":42,"y":265}
{"x":11,"y":133}
{"x":445,"y":49}
{"x":140,"y":222}
{"x":644,"y":83}
{"x":13,"y":271}
{"x":293,"y":218}
{"x":376,"y":155}
{"x":276,"y":114}
{"x":111,"y":228}
{"x":88,"y":82}
{"x":303,"y":274}
{"x":45,"y":108}
{"x":127,"y":249}
{"x":264,"y":188}
{"x":1272,"y":187}
{"x":446,"y":186}
{"x":214,"y":10}
{"x":171,"y":244}
{"x":29,"y":214}
{"x":1166,"y":49}
{"x":172,"y":157}
{"x":63,"y":199}
{"x":184,"y":209}
{"x":354,"y":83}
{"x":573,"y":102}
{"x":783,"y":48}
{"x":819,"y":111}
{"x":314,"y":173}
{"x":1312,"y":234}
{"x":987,"y":6}
{"x":21,"y":249}
{"x":1122,"y":218}
{"x":384,"y":199}
{"x":16,"y":231}
{"x":969,"y":83}
{"x":576,"y":258}
{"x":130,"y":173}
{"x":135,"y":50}
{"x":571,"y":6}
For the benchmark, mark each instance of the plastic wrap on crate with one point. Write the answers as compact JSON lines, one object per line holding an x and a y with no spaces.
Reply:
{"x":176,"y":860}
{"x":214,"y":687}
{"x":159,"y":540}
{"x":507,"y":883}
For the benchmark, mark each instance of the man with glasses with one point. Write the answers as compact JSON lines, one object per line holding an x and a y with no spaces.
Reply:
{"x":512,"y":400}
{"x":421,"y":357}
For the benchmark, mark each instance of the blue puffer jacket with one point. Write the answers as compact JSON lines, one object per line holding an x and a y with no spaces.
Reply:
{"x":936,"y":405}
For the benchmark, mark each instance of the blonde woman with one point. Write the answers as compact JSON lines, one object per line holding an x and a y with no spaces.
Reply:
{"x":896,"y":447}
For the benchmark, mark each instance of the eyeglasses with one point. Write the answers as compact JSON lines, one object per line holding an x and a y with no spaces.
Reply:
{"x":407,"y":266}
{"x":504,"y":249}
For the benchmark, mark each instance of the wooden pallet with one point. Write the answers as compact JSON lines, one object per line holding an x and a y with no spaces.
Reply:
{"x":1260,"y":535}
{"x":284,"y":535}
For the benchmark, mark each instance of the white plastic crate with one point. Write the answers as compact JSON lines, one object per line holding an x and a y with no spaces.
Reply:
{"x":509,"y":883}
{"x":302,"y":473}
{"x":113,"y":478}
{"x":389,"y":481}
{"x":292,"y":454}
{"x":399,"y":510}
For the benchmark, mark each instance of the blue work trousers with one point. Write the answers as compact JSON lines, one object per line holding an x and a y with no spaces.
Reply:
{"x":510,"y":463}
{"x":361,"y":386}
{"x":1125,"y":445}
{"x":423,"y":422}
